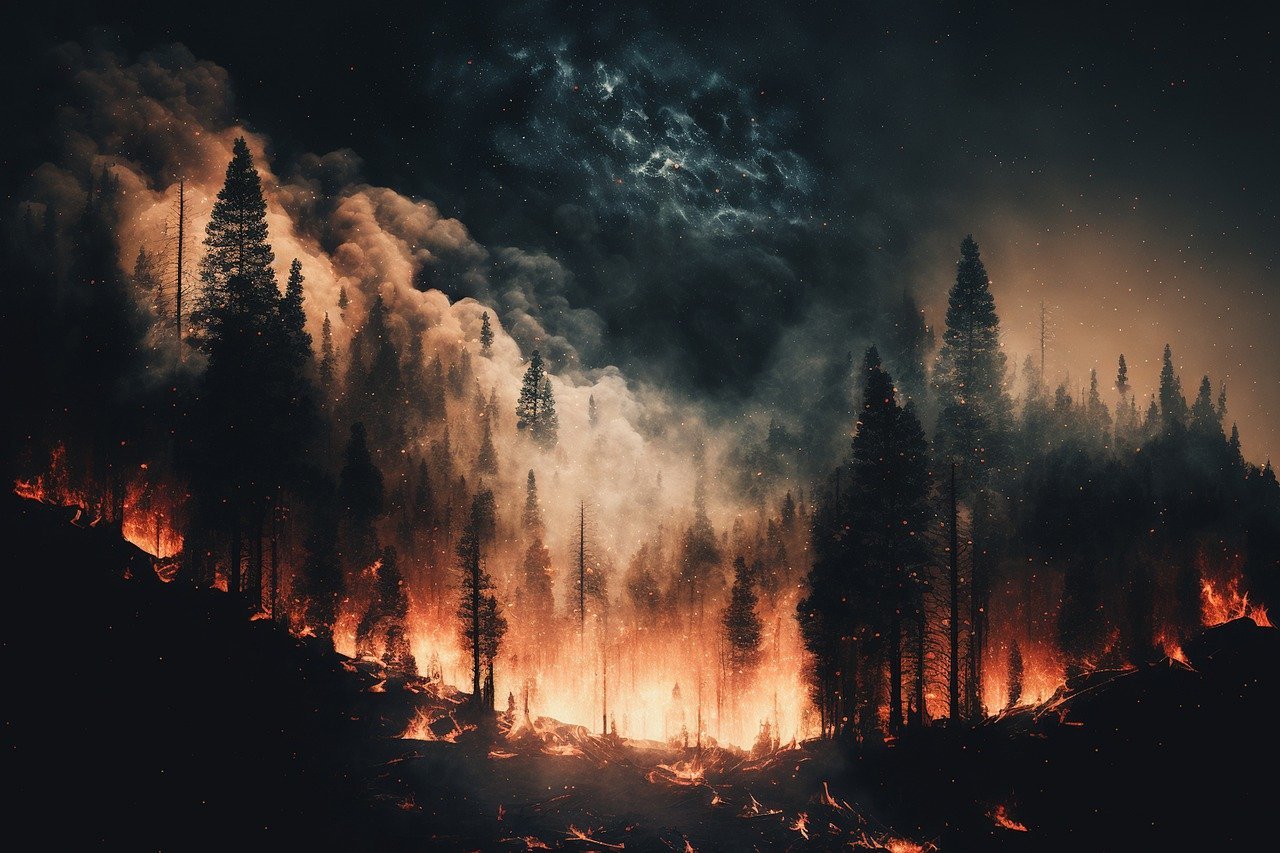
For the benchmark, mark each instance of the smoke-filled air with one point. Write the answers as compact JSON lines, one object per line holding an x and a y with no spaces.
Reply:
{"x":661,"y":472}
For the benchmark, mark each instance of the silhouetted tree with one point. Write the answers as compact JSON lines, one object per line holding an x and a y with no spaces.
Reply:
{"x":975,"y":410}
{"x":741,"y":623}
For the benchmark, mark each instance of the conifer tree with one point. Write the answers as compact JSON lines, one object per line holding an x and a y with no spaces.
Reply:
{"x":908,"y":344}
{"x":975,"y":410}
{"x":486,"y":335}
{"x":536,"y":407}
{"x":236,"y":237}
{"x":1205,"y":420}
{"x":546,"y":430}
{"x":480,"y":622}
{"x":531,"y":519}
{"x":294,"y":320}
{"x":487,"y":458}
{"x":742,"y":626}
{"x":362,"y":499}
{"x":328,"y":359}
{"x":529,"y":404}
{"x":1173,"y":406}
{"x":890,"y":506}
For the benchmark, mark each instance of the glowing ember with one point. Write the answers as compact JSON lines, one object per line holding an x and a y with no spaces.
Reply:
{"x":421,"y":727}
{"x":1002,"y":818}
{"x":575,"y":834}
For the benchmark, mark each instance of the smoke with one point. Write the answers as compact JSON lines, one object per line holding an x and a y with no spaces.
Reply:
{"x":167,"y":115}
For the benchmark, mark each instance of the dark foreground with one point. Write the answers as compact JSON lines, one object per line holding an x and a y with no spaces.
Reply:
{"x":149,"y":715}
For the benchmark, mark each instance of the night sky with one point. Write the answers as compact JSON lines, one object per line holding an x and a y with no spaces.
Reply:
{"x":731,"y":193}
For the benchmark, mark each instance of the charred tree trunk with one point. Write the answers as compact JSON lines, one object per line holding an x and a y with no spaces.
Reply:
{"x":254,"y":575}
{"x":233,"y":563}
{"x":921,"y":630}
{"x":977,"y":614}
{"x":895,"y":671}
{"x":953,"y":668}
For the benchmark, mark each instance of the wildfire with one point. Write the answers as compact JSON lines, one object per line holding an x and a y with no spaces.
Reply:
{"x":1223,"y":605}
{"x":147,"y":517}
{"x":421,"y":727}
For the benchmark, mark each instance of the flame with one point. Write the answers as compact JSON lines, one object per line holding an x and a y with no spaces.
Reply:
{"x":150,"y":506}
{"x":1002,"y":818}
{"x":420,"y":727}
{"x":575,"y":834}
{"x":1225,"y":603}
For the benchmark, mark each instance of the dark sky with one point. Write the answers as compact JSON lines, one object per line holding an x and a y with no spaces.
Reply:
{"x":736,"y":189}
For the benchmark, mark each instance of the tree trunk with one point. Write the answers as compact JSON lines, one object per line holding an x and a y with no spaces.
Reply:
{"x":233,"y":564}
{"x":254,"y":578}
{"x":953,"y":669}
{"x":921,"y":628}
{"x":895,"y":672}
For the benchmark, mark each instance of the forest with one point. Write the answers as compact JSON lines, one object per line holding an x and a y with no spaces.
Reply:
{"x":978,"y":535}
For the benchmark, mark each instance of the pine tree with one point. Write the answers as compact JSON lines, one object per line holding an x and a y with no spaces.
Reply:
{"x":742,"y":626}
{"x":343,"y":301}
{"x":294,"y":319}
{"x":975,"y":408}
{"x":236,"y":238}
{"x":328,"y":359}
{"x":147,"y":282}
{"x":321,"y":585}
{"x":479,"y":619}
{"x":362,"y":499}
{"x":593,"y":414}
{"x":546,"y":429}
{"x":532,"y":516}
{"x":908,"y":344}
{"x":1122,"y":377}
{"x":1097,"y":418}
{"x":890,"y":506}
{"x":536,"y":585}
{"x":1173,"y":407}
{"x":487,"y":458}
{"x":529,"y":404}
{"x":486,"y":335}
{"x":1205,"y":420}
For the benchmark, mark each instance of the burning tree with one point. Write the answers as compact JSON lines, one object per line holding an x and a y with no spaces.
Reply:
{"x":741,"y":624}
{"x":481,"y":622}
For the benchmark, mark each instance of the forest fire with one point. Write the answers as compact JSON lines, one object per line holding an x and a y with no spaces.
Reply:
{"x":426,"y":492}
{"x":1225,"y":602}
{"x":145,"y":514}
{"x":1002,"y":819}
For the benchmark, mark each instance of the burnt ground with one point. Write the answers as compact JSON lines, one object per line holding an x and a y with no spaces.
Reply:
{"x":145,"y":715}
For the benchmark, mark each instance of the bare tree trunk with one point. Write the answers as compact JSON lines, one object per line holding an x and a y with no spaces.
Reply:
{"x":921,"y":629}
{"x":953,"y":686}
{"x":895,"y":671}
{"x":233,"y":564}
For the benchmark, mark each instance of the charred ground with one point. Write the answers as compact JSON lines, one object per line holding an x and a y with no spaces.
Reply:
{"x":156,"y":716}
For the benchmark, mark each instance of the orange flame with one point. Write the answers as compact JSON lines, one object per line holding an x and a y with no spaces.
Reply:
{"x":1002,"y":818}
{"x":1224,"y":604}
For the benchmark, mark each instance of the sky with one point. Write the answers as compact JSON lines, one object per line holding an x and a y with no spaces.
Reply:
{"x":722,"y":200}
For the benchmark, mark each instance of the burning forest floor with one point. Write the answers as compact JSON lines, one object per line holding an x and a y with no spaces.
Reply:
{"x":151,"y":714}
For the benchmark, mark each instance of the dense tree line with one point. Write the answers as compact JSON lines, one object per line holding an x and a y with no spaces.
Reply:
{"x":1110,"y":521}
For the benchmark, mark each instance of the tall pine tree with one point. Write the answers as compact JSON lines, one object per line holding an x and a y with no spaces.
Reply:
{"x":974,"y":415}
